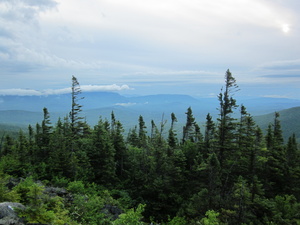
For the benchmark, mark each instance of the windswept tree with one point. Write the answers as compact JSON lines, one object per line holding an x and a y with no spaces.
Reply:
{"x":227,"y":124}
{"x":226,"y":148}
{"x":76,"y":120}
{"x":77,"y":128}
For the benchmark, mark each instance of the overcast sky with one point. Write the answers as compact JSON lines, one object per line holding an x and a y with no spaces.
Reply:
{"x":150,"y":46}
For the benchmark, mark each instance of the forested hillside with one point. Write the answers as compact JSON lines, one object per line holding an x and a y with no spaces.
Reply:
{"x":290,"y":121}
{"x":228,"y":173}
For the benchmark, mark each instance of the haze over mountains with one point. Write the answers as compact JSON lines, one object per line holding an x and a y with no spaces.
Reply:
{"x":24,"y":110}
{"x":164,"y":103}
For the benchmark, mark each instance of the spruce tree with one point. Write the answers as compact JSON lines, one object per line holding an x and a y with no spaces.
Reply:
{"x":59,"y":158}
{"x":76,"y":119}
{"x":142,"y":133}
{"x":226,"y":135}
{"x":227,"y":124}
{"x":77,"y":125}
{"x":246,"y":144}
{"x":189,"y":128}
{"x":209,"y":136}
{"x":120,"y":148}
{"x":102,"y":155}
{"x":276,"y":165}
{"x":132,"y":137}
{"x":172,"y":135}
{"x":45,"y":135}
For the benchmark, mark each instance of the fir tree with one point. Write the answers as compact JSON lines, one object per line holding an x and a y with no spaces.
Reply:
{"x":209,"y":137}
{"x":76,"y":119}
{"x":227,"y":125}
{"x":172,"y":135}
{"x":142,"y":133}
{"x":189,"y":128}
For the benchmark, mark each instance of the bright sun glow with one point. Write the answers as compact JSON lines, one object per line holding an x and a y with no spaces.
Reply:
{"x":285,"y":28}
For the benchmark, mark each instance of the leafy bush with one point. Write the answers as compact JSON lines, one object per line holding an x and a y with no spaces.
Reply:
{"x":132,"y":217}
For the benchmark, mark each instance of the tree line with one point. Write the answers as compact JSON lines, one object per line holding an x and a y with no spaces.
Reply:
{"x":228,"y":173}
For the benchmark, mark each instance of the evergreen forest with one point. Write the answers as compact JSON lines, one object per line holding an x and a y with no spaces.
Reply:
{"x":226,"y":172}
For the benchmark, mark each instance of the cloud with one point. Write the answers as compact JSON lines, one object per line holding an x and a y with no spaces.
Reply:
{"x":283,"y":71}
{"x":282,"y":76}
{"x":20,"y":92}
{"x":84,"y":88}
{"x":291,"y":65}
{"x":126,"y":104}
{"x":276,"y":96}
{"x":171,"y":77}
{"x":165,"y":44}
{"x":24,"y":10}
{"x":113,"y":87}
{"x":190,"y":23}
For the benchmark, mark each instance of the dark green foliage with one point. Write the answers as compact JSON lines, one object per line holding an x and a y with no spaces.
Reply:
{"x":227,"y":124}
{"x":189,"y":130}
{"x":142,"y":137}
{"x":119,"y":146}
{"x":102,"y":155}
{"x":276,"y":169}
{"x":172,"y":141}
{"x":209,"y":136}
{"x":76,"y":119}
{"x":230,"y":174}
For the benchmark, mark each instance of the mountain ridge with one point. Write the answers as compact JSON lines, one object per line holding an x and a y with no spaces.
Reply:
{"x":20,"y":119}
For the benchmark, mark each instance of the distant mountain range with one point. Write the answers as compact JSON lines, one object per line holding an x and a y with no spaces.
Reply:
{"x":24,"y":110}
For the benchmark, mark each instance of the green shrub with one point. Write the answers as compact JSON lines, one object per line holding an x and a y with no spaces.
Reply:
{"x":132,"y":217}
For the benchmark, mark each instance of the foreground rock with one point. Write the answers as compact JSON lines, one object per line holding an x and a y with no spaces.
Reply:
{"x":8,"y":215}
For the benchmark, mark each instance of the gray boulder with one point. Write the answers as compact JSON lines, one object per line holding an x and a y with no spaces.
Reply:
{"x":8,"y":214}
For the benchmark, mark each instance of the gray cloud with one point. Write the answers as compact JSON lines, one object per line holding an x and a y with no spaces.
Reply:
{"x":282,"y":65}
{"x":173,"y":44}
{"x":24,"y":10}
{"x":282,"y":76}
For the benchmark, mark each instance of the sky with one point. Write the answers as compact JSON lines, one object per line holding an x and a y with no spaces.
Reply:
{"x":141,"y":47}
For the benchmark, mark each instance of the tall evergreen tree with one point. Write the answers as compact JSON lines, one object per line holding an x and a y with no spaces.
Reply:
{"x":59,"y":158}
{"x":227,"y":135}
{"x":153,"y":130}
{"x":45,"y":134}
{"x":276,"y":165}
{"x":214,"y":180}
{"x":209,"y":136}
{"x":246,"y":143}
{"x":77,"y":126}
{"x":189,"y":128}
{"x":8,"y":145}
{"x":172,"y":135}
{"x":102,"y":155}
{"x":132,"y":137}
{"x":293,"y":175}
{"x":227,"y":124}
{"x":75,"y":118}
{"x":292,"y":154}
{"x":142,"y":133}
{"x":120,"y":148}
{"x":118,"y":144}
